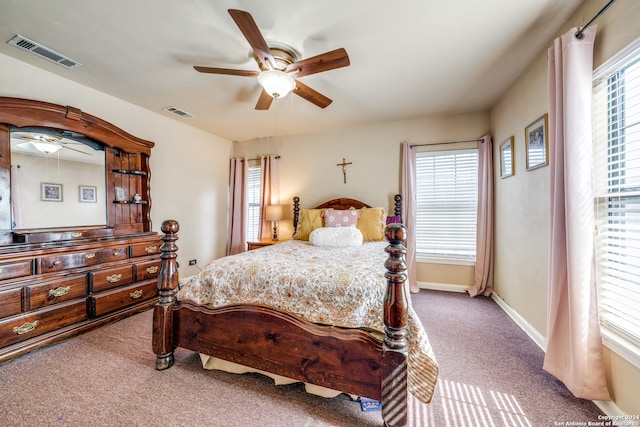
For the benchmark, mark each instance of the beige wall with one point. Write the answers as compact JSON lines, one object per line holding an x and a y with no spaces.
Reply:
{"x":522,"y":201}
{"x":189,"y":168}
{"x":308,"y":167}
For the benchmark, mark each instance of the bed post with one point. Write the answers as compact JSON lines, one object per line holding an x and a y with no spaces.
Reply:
{"x":397,"y":210}
{"x":296,"y":213}
{"x":396,"y":318}
{"x":167,"y":287}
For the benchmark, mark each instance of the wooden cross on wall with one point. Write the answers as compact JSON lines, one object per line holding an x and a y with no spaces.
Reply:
{"x":344,"y":168}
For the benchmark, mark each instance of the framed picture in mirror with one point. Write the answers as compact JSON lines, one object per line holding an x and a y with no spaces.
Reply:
{"x":88,"y":194}
{"x":50,"y":192}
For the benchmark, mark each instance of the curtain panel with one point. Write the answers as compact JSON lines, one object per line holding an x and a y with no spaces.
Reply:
{"x":574,"y":342}
{"x":269,"y":191}
{"x":483,"y":273}
{"x":236,"y":229}
{"x":409,"y":211}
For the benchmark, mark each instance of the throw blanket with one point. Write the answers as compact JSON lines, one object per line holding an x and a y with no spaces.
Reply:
{"x":334,"y":286}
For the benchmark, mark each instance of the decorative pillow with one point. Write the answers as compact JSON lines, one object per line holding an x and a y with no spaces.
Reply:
{"x":371,"y":223}
{"x":394,"y":219}
{"x":336,"y":237}
{"x":340,"y":218}
{"x":309,"y":220}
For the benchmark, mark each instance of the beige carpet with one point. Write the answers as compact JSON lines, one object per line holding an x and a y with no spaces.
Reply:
{"x":491,"y":376}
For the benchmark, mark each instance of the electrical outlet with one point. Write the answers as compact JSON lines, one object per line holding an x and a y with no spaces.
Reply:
{"x":193,"y":262}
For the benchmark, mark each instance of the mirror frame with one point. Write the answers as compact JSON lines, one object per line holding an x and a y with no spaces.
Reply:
{"x":126,"y":155}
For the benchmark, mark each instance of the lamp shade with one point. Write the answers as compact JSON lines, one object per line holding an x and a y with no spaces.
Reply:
{"x":276,"y":83}
{"x":273,"y":213}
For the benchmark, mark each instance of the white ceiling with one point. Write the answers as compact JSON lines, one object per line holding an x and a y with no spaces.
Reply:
{"x":409,"y":58}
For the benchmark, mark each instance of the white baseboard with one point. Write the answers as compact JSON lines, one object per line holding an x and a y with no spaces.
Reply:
{"x":536,"y":336}
{"x":442,"y":287}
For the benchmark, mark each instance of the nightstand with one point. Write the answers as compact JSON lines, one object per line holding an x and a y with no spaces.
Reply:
{"x":261,"y":243}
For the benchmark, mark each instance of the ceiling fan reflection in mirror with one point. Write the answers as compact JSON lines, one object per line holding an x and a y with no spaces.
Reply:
{"x":280,"y":66}
{"x":46,"y":142}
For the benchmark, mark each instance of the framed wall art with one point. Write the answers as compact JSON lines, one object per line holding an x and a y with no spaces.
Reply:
{"x":88,"y":194}
{"x":120,"y":197}
{"x":537,"y":143}
{"x":506,"y":158}
{"x":50,"y":192}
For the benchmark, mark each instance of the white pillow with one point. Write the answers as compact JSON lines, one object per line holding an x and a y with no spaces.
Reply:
{"x":336,"y":237}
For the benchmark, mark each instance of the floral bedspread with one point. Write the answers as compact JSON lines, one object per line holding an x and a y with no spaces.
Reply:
{"x":335,"y":286}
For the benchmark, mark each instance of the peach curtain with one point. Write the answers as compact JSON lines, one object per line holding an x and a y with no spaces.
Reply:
{"x":409,"y":211}
{"x":238,"y":180}
{"x":574,"y":342}
{"x":270,"y":191}
{"x":483,"y":274}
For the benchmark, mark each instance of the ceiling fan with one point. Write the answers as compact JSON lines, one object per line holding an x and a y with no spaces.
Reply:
{"x":44,"y":143}
{"x":280,"y":66}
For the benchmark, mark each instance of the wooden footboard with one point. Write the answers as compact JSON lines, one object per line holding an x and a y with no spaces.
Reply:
{"x":270,"y":340}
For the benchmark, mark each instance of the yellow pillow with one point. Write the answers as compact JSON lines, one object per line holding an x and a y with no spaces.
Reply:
{"x":371,"y":224}
{"x":309,"y":220}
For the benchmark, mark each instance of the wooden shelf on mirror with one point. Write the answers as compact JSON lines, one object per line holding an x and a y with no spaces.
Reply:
{"x":130,"y":172}
{"x":130,"y":202}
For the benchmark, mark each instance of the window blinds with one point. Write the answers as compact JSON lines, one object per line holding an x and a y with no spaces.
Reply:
{"x":616,"y":138}
{"x":446,"y":203}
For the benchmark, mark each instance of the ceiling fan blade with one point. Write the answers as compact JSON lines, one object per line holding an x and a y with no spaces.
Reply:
{"x":265,"y":100}
{"x":316,"y":64}
{"x":252,"y":33}
{"x":311,"y":95}
{"x":73,"y":149}
{"x":227,"y":71}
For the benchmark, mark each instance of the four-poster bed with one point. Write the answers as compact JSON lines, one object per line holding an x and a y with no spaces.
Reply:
{"x":319,"y":348}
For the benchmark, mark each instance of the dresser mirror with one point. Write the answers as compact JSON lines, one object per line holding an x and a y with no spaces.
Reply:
{"x":66,"y":175}
{"x":57,"y":179}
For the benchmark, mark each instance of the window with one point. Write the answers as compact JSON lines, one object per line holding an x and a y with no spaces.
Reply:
{"x":616,"y":141}
{"x":446,"y":204}
{"x":253,"y":201}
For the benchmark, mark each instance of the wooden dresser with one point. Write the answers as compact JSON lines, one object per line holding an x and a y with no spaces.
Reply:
{"x":58,"y":282}
{"x":51,"y":293}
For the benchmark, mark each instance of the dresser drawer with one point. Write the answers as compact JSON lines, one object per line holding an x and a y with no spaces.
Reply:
{"x":23,"y":327}
{"x":82,"y":259}
{"x":10,"y":302}
{"x":146,"y":249}
{"x":111,"y":278}
{"x":11,"y":270}
{"x":113,"y":300}
{"x":147,"y":270}
{"x":46,"y":294}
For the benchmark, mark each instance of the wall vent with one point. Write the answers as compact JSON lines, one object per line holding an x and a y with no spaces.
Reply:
{"x":43,"y":52}
{"x":179,"y":112}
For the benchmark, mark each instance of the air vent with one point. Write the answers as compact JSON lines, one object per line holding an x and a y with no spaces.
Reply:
{"x":179,"y":112}
{"x":43,"y":52}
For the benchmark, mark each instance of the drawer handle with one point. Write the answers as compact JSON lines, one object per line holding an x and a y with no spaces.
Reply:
{"x":57,"y":262}
{"x":26,"y":328}
{"x":152,"y":270}
{"x":76,"y":234}
{"x":151,"y":249}
{"x":1,"y":271}
{"x":116,"y":253}
{"x":89,"y":256}
{"x":59,"y":291}
{"x":114,"y":278}
{"x":137,"y":294}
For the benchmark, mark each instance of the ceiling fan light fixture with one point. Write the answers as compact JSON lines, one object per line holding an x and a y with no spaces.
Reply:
{"x":46,"y":147}
{"x":276,"y":83}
